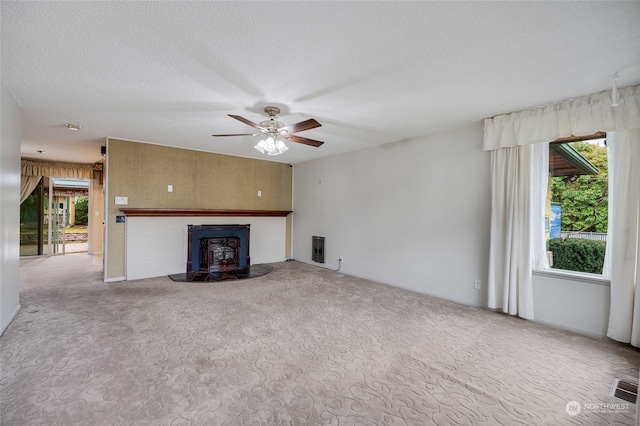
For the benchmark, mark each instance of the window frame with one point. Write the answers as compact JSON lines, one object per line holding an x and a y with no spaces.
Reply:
{"x":564,"y":273}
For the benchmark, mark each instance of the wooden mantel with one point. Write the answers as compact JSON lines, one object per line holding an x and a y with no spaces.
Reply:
{"x":202,"y":212}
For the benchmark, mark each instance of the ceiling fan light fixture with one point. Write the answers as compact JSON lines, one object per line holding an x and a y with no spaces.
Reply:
{"x":271,"y":145}
{"x":260,"y":146}
{"x":267,"y":146}
{"x":281,"y":148}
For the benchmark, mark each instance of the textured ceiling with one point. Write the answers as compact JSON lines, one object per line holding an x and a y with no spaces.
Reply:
{"x":370,"y":72}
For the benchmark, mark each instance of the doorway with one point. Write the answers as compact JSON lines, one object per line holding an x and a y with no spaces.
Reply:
{"x":54,"y":218}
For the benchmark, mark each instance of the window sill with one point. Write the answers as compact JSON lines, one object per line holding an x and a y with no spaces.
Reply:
{"x":574,"y":276}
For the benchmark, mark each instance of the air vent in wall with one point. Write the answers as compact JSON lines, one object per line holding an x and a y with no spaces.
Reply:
{"x":317,"y":253}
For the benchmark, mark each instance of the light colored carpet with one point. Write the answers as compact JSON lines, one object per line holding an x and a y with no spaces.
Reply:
{"x":299,"y":346}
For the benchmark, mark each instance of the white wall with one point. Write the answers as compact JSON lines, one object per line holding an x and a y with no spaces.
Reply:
{"x":416,"y":214}
{"x":413,"y":214}
{"x":157,"y":246}
{"x":10,"y":135}
{"x":577,"y":305}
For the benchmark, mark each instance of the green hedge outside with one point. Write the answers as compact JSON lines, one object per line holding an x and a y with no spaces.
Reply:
{"x":82,"y":211}
{"x":578,"y":254}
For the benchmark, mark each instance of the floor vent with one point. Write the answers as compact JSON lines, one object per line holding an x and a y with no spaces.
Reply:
{"x":625,"y":390}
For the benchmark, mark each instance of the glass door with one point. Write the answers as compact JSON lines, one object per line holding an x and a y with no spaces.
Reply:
{"x":57,"y":219}
{"x":31,"y":223}
{"x":58,"y":222}
{"x":52,"y":225}
{"x":54,"y":218}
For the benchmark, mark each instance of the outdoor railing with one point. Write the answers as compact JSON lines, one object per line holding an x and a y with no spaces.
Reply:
{"x":600,"y":236}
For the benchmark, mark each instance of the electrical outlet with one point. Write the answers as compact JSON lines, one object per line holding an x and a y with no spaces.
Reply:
{"x":477,"y":284}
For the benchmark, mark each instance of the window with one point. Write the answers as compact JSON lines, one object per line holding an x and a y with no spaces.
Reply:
{"x":577,"y":208}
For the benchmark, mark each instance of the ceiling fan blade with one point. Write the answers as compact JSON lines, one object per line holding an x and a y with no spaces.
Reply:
{"x":303,"y":125}
{"x":239,"y":134}
{"x":244,"y":120}
{"x":306,"y":141}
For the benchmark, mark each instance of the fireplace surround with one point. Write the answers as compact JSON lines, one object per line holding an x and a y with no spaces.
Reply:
{"x":163,"y":233}
{"x":217,"y":249}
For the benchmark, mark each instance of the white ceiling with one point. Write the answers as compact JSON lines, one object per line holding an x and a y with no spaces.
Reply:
{"x":370,"y":72}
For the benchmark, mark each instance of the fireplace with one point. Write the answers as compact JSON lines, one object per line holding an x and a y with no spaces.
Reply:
{"x":215,"y":249}
{"x":219,"y":254}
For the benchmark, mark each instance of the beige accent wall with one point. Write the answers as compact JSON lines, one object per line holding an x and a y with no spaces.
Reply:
{"x":96,"y":216}
{"x":142,"y":172}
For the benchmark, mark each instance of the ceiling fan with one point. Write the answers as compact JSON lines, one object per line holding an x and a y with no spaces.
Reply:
{"x":276,"y":132}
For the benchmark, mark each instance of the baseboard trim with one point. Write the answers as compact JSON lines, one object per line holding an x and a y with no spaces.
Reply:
{"x":412,"y":289}
{"x":573,"y":329}
{"x":10,"y":319}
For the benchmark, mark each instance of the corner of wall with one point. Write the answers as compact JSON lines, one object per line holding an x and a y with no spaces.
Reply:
{"x":10,"y":125}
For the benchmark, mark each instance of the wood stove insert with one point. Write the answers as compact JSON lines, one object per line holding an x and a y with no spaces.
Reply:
{"x":217,"y":249}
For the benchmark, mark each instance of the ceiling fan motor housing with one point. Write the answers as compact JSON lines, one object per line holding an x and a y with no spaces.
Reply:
{"x":272,"y":111}
{"x":272,"y":125}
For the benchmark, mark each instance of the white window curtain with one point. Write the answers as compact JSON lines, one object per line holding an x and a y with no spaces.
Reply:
{"x":623,"y":240}
{"x":578,"y":117}
{"x":519,"y":187}
{"x":512,"y":245}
